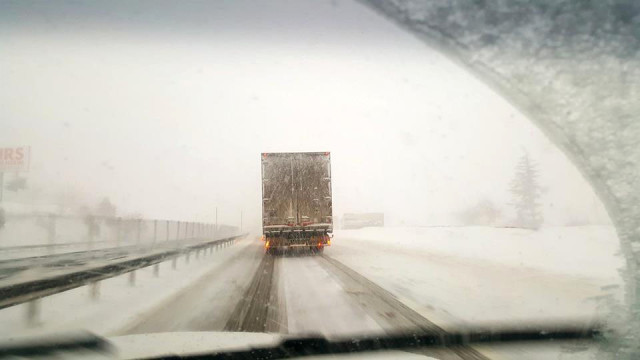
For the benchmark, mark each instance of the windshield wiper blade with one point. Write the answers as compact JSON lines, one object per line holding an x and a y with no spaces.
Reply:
{"x":47,"y":346}
{"x":307,"y":346}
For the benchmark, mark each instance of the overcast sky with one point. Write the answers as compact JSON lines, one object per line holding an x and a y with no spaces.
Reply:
{"x":166,"y":106}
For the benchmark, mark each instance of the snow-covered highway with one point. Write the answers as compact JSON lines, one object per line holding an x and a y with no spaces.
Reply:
{"x":367,"y":286}
{"x":367,"y":282}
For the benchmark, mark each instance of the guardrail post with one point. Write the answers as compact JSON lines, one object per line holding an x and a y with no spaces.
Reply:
{"x":155,"y":231}
{"x":178,"y":230}
{"x":132,"y":277}
{"x":90,"y":221}
{"x":186,"y":228}
{"x":192,"y":229}
{"x":118,"y":231}
{"x":94,"y":290}
{"x":156,"y":270}
{"x":33,"y":312}
{"x":51,"y":230}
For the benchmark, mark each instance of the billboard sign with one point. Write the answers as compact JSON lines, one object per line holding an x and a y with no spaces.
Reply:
{"x":361,"y":220}
{"x":15,"y":158}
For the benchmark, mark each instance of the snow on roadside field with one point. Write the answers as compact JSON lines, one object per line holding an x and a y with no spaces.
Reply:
{"x":459,"y":276}
{"x":590,"y":251}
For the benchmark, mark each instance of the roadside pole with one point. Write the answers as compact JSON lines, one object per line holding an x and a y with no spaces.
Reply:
{"x":15,"y":159}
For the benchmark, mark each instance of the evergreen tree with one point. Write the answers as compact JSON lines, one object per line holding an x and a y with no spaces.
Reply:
{"x":526,"y":194}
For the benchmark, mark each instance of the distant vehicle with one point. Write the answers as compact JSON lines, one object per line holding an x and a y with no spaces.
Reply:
{"x":361,"y":220}
{"x":296,"y":201}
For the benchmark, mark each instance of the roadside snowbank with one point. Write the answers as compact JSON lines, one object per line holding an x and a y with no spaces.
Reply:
{"x":588,"y":251}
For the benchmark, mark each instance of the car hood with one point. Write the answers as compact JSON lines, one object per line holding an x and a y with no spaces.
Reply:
{"x":183,"y":343}
{"x":186,"y":343}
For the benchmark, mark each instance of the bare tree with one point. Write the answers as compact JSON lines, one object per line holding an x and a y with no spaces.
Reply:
{"x":106,"y":208}
{"x":526,"y":193}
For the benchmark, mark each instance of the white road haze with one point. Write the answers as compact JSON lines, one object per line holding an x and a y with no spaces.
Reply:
{"x":169,"y":121}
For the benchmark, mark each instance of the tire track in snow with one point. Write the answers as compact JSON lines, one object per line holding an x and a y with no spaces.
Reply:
{"x":255,"y":312}
{"x":202,"y":304}
{"x":388,"y":311}
{"x":262,"y":307}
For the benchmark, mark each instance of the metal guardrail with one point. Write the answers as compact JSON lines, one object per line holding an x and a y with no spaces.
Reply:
{"x":50,"y":246}
{"x":42,"y":231}
{"x":27,"y":291}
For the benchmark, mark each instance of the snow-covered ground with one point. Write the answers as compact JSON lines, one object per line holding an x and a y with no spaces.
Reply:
{"x":585,"y":251}
{"x":485,"y":275}
{"x":451,"y":276}
{"x":463,"y":277}
{"x":317,"y":304}
{"x":477,"y":276}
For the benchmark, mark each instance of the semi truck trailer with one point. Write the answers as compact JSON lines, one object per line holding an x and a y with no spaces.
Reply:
{"x":296,"y":201}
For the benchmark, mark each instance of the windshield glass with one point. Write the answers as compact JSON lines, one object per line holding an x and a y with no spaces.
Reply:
{"x":284,"y":167}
